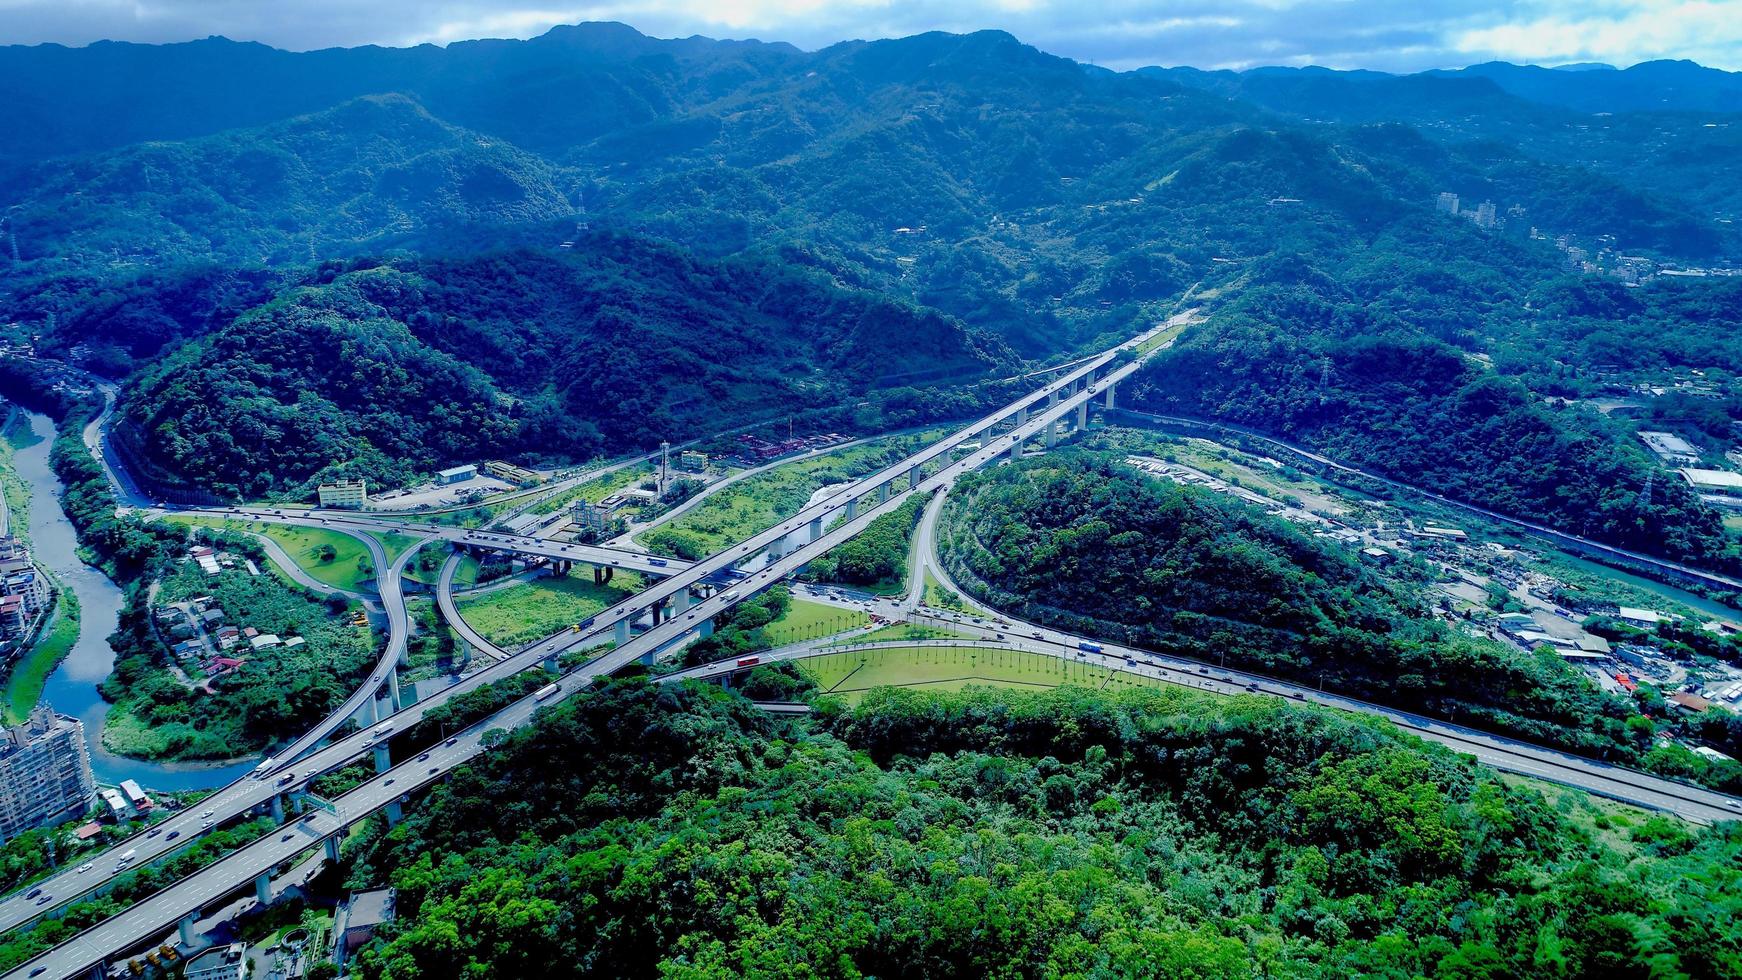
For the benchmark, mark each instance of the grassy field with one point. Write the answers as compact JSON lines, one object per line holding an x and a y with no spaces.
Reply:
{"x":25,"y":682}
{"x":1162,"y":337}
{"x":533,"y":610}
{"x":394,"y":544}
{"x":762,"y":501}
{"x":850,"y":674}
{"x":806,"y":620}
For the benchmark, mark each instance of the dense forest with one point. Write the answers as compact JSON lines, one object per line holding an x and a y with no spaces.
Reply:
{"x":387,"y":370}
{"x":1091,"y":544}
{"x":1068,"y":833}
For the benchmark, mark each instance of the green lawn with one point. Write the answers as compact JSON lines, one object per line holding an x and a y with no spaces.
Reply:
{"x":30,"y":672}
{"x":533,"y":610}
{"x":1161,"y":337}
{"x":850,"y":674}
{"x":394,"y":544}
{"x":807,"y":620}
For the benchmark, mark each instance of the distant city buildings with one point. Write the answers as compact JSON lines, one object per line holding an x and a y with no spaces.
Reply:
{"x":1448,"y":202}
{"x":45,"y":773}
{"x":1485,"y":217}
{"x":345,"y":493}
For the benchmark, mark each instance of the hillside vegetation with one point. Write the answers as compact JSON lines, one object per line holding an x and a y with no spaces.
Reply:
{"x":1088,"y":543}
{"x":1143,"y":834}
{"x":385,"y":370}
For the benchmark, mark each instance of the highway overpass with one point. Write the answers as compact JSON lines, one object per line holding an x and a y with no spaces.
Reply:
{"x":1038,"y":414}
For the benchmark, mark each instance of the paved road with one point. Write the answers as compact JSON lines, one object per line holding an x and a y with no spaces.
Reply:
{"x":451,"y":612}
{"x":226,"y":803}
{"x":145,"y":919}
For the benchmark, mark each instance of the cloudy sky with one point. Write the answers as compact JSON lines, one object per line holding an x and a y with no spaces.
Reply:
{"x":1394,"y":35}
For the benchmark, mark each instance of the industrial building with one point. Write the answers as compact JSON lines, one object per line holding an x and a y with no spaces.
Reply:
{"x":507,"y":472}
{"x":456,"y":474}
{"x":45,"y":773}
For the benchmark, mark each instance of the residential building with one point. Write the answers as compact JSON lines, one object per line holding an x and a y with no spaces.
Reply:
{"x":590,"y":516}
{"x":456,"y":474}
{"x":45,"y":772}
{"x":218,"y":963}
{"x":1448,"y":202}
{"x":691,"y":461}
{"x":507,"y":472}
{"x":353,"y":494}
{"x":357,"y":920}
{"x":1485,"y":217}
{"x":135,"y":797}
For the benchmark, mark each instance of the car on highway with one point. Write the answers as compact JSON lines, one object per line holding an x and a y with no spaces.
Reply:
{"x":285,"y":838}
{"x":206,"y":814}
{"x":154,"y":832}
{"x":452,"y":740}
{"x":33,"y":893}
{"x":85,"y":867}
{"x":173,"y":835}
{"x":424,"y":757}
{"x":1732,"y":804}
{"x":434,"y":769}
{"x":388,"y":782}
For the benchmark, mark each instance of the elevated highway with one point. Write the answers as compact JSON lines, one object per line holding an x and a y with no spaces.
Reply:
{"x":1038,"y":414}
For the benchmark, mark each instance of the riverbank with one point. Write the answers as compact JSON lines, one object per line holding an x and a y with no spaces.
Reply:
{"x":70,"y":687}
{"x":30,"y":672}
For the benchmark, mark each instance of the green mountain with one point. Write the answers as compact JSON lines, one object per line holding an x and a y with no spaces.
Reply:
{"x":362,"y":175}
{"x":384,"y":370}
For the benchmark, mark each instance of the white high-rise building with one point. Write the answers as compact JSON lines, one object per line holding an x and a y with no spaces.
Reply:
{"x":45,"y":773}
{"x":1448,"y":202}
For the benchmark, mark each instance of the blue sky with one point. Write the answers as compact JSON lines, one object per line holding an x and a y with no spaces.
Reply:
{"x":1392,"y":35}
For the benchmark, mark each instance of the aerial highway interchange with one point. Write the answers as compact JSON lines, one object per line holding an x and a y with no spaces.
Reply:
{"x":673,"y":610}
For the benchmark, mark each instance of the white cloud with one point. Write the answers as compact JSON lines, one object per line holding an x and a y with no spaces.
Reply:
{"x":1396,"y":35}
{"x":1617,"y":32}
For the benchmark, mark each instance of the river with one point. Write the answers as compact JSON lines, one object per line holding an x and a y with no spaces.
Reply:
{"x":72,"y":688}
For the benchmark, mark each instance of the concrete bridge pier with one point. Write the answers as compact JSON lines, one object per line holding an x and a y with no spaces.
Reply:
{"x":621,"y":632}
{"x":383,"y":758}
{"x":368,"y":713}
{"x":883,"y":494}
{"x":1016,"y":450}
{"x":1052,"y":398}
{"x":705,"y":628}
{"x":332,"y":848}
{"x":1052,"y":434}
{"x":913,"y":477}
{"x":263,"y":888}
{"x":277,"y":809}
{"x":1083,"y":417}
{"x":550,"y":664}
{"x":1110,"y":396}
{"x":392,"y":686}
{"x":816,"y":528}
{"x":395,"y":813}
{"x":648,"y":659}
{"x":852,"y":508}
{"x":1022,"y":416}
{"x":185,"y":928}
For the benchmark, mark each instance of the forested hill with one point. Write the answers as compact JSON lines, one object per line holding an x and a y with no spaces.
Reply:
{"x":1154,"y":833}
{"x":362,"y":175}
{"x":383,"y":370}
{"x":1089,"y":544}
